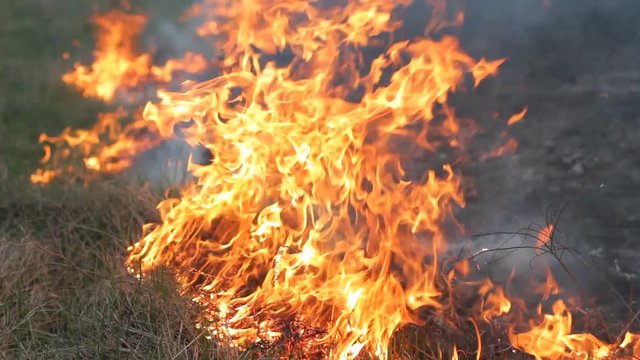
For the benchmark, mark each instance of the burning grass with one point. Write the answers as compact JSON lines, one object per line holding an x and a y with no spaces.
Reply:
{"x":65,"y":293}
{"x":302,"y":235}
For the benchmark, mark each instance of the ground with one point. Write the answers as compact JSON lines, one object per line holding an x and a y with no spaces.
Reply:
{"x":65,"y":293}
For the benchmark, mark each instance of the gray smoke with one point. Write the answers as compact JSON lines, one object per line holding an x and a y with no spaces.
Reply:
{"x":575,"y":65}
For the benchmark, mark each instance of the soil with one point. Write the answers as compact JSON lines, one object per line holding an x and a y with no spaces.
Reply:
{"x":578,"y":159}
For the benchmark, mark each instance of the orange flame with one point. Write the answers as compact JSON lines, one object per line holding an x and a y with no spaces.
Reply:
{"x":634,"y":341}
{"x":118,"y":65}
{"x":191,"y":63}
{"x":545,"y":238}
{"x":494,"y":302}
{"x":509,"y":147}
{"x":552,"y":339}
{"x":546,"y":234}
{"x":116,"y":62}
{"x":517,"y":117}
{"x":108,"y":147}
{"x":306,"y":212}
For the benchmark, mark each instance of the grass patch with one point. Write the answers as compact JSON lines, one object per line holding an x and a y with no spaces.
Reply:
{"x":67,"y":295}
{"x":32,"y":97}
{"x":65,"y":292}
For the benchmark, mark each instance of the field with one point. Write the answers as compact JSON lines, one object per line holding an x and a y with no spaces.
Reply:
{"x":64,"y":290}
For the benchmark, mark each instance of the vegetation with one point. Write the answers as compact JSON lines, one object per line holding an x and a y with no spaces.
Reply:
{"x":64,"y":290}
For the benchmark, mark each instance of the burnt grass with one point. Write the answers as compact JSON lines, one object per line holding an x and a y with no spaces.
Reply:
{"x":64,"y":291}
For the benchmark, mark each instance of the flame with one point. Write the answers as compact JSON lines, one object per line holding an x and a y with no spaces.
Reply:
{"x":545,"y":239}
{"x":42,"y":176}
{"x":484,"y":69}
{"x":546,"y":234}
{"x":117,"y":64}
{"x":634,"y":341}
{"x":518,"y":116}
{"x":552,"y":338}
{"x":455,"y":353}
{"x":550,"y":287}
{"x":494,"y":301}
{"x":509,"y":147}
{"x":190,"y":63}
{"x":108,"y":147}
{"x":306,"y":212}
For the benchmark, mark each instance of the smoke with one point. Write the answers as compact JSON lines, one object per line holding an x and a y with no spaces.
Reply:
{"x":573,"y":62}
{"x":559,"y":42}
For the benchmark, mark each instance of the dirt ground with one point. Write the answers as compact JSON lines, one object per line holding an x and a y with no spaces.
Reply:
{"x":578,"y":161}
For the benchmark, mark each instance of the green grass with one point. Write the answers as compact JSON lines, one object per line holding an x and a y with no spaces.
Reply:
{"x":32,"y":97}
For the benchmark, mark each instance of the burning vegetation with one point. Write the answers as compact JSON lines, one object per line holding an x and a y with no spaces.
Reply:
{"x":303,"y":228}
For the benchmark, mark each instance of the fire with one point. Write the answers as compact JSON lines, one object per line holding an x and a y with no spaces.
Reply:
{"x":306,"y":212}
{"x":191,"y":63}
{"x":494,"y":301}
{"x":42,"y":176}
{"x":111,"y":145}
{"x":551,"y":335}
{"x":509,"y":147}
{"x":546,"y":234}
{"x":634,"y":341}
{"x":117,"y":63}
{"x":518,"y":116}
{"x":108,"y":147}
{"x":545,"y":243}
{"x":305,"y":217}
{"x":552,"y":338}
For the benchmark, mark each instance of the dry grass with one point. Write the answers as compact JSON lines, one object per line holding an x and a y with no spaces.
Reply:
{"x":65,"y":292}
